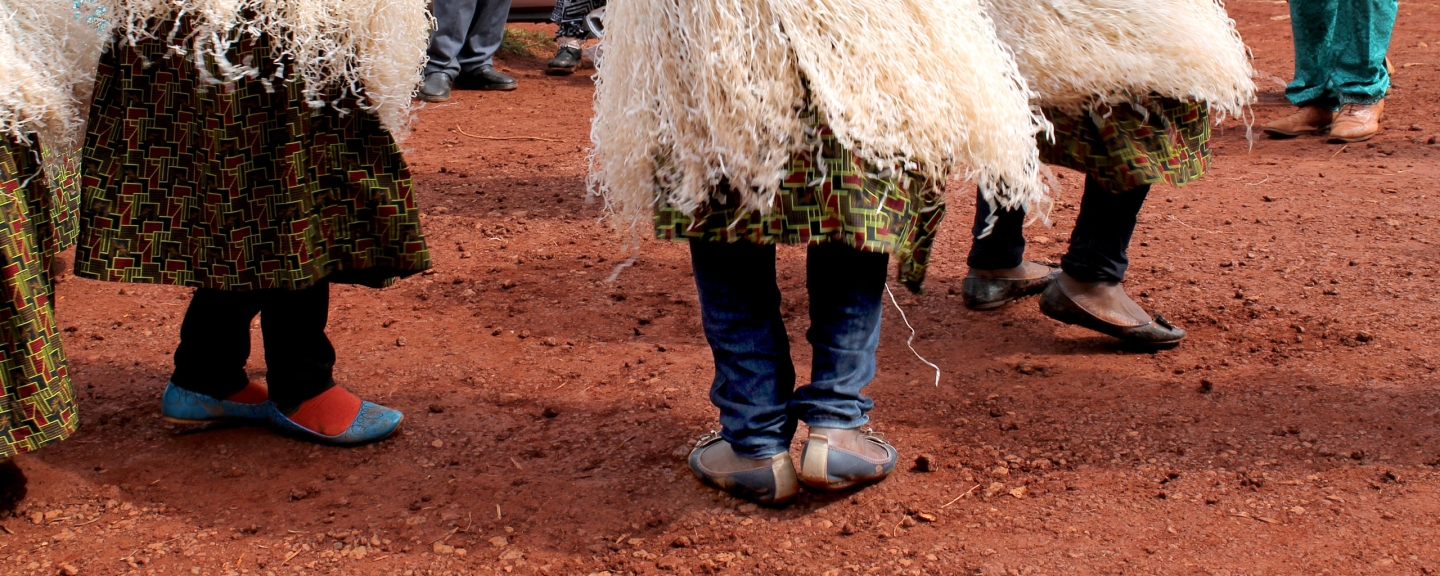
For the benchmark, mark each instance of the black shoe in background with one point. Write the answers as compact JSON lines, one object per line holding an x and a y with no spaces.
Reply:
{"x":436,"y":87}
{"x":485,"y":78}
{"x":13,"y":487}
{"x":566,"y":60}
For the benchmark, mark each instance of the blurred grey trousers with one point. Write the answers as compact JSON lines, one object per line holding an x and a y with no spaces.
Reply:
{"x":467,"y":34}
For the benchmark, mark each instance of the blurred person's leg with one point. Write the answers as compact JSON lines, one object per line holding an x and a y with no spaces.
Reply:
{"x":1088,"y":292}
{"x":846,"y":286}
{"x":1360,"y":78}
{"x":453,"y":19}
{"x":570,"y":34}
{"x":1313,"y":24}
{"x":754,"y":375}
{"x":998,"y":272}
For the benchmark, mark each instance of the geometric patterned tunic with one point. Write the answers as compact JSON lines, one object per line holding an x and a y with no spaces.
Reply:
{"x":239,"y":185}
{"x":845,"y":202}
{"x":38,"y":407}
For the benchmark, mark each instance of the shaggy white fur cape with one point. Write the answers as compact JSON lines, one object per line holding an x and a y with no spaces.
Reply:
{"x":371,"y":49}
{"x":48,"y":53}
{"x":692,"y":92}
{"x":1078,"y":54}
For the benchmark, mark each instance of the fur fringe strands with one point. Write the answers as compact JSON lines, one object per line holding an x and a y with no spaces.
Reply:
{"x":695,"y":92}
{"x":48,"y":53}
{"x":372,"y":50}
{"x":1080,"y":54}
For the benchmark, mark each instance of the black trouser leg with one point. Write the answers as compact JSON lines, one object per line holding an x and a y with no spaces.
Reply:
{"x":1004,"y":246}
{"x":215,"y":342}
{"x":299,"y":358}
{"x":1102,"y":233}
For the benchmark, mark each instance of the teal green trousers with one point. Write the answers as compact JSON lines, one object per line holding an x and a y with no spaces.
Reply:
{"x":1340,"y":48}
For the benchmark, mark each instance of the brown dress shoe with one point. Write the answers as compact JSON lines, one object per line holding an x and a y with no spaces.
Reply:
{"x":991,"y":289}
{"x":1105,"y":308}
{"x":1306,"y":120}
{"x":1357,"y":122}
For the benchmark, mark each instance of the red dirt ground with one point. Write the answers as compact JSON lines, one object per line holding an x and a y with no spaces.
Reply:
{"x":549,"y":411}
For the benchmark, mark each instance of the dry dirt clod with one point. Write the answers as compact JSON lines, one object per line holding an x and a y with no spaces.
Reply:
{"x":925,"y":463}
{"x":681,"y":542}
{"x":847,"y":529}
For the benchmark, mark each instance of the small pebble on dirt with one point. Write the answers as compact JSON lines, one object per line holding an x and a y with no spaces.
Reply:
{"x":437,"y":409}
{"x":499,"y":542}
{"x":400,"y":342}
{"x":925,"y":463}
{"x":550,"y":412}
{"x":681,"y":542}
{"x":1206,"y":386}
{"x":437,"y":443}
{"x":847,"y":529}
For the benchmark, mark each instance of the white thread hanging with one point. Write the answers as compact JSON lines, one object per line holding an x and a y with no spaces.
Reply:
{"x":911,"y":341}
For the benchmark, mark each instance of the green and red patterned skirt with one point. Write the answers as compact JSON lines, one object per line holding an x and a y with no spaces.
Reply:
{"x":237,"y":185}
{"x":1161,"y":140}
{"x":843,"y":201}
{"x":39,"y":404}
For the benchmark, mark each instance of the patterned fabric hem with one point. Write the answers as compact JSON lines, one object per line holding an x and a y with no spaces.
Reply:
{"x":1124,"y":147}
{"x":841,"y":200}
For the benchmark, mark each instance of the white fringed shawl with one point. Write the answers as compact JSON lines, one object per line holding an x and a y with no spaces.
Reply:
{"x":48,"y":53}
{"x":1082,"y":53}
{"x":691,"y":92}
{"x":373,"y":50}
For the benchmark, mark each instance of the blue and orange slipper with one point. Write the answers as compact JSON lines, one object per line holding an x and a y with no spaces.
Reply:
{"x":372,"y":423}
{"x":181,"y":406}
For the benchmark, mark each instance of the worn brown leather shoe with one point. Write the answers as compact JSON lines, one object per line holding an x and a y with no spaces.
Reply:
{"x":1306,"y":120}
{"x":769,"y":481}
{"x":1105,"y":308}
{"x":991,"y":289}
{"x":1357,"y":122}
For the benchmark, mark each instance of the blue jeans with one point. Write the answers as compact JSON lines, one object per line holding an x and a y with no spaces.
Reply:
{"x":467,"y":34}
{"x":754,"y":384}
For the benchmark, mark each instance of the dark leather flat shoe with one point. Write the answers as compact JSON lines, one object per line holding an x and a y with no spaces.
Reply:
{"x":485,"y":78}
{"x":769,"y":481}
{"x":1105,"y":308}
{"x":991,"y":289}
{"x":566,"y":59}
{"x":841,"y":458}
{"x":436,"y":87}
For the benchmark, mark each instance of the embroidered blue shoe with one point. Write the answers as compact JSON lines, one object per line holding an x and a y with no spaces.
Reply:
{"x":373,"y":423}
{"x":837,"y":459}
{"x":181,"y":406}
